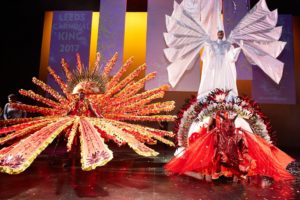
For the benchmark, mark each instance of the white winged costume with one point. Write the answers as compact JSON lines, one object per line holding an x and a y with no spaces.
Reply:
{"x":187,"y":34}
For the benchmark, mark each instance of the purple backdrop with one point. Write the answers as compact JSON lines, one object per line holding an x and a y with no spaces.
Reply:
{"x":234,"y":11}
{"x":155,"y":58}
{"x":264,"y":90}
{"x":70,"y":34}
{"x":111,"y":30}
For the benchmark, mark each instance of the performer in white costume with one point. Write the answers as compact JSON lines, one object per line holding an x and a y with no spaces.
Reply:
{"x":187,"y":34}
{"x":219,"y":70}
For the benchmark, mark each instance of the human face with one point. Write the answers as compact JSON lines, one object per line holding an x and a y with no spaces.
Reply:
{"x":220,"y":35}
{"x":81,"y":95}
{"x":228,"y":126}
{"x":11,"y":99}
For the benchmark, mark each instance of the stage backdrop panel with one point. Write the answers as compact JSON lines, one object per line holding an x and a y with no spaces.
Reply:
{"x":70,"y":34}
{"x":111,"y":30}
{"x":233,"y":12}
{"x":264,"y":90}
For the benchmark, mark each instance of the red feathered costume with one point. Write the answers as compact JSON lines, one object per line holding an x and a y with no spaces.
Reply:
{"x":229,"y":151}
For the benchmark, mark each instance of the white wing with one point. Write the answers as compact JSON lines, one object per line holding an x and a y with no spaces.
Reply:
{"x":185,"y":37}
{"x":259,"y":36}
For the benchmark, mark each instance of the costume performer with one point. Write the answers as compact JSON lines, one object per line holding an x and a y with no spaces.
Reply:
{"x":236,"y":143}
{"x":256,"y":35}
{"x":219,"y":70}
{"x":220,"y":133}
{"x":94,"y":107}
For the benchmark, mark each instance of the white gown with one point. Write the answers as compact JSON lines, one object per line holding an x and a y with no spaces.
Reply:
{"x":219,"y":69}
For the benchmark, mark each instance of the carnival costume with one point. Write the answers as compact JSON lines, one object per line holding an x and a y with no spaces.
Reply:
{"x":94,"y":107}
{"x":227,"y":137}
{"x":188,"y":33}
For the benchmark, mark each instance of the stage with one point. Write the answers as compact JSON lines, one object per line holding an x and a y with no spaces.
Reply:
{"x":118,"y":99}
{"x":129,"y":176}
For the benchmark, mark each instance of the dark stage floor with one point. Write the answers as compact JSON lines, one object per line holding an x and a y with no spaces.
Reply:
{"x":129,"y":176}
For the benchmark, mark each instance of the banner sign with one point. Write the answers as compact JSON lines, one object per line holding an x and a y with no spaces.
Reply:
{"x":111,"y":31}
{"x":71,"y":32}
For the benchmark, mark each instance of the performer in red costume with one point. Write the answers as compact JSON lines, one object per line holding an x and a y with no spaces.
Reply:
{"x":231,"y":152}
